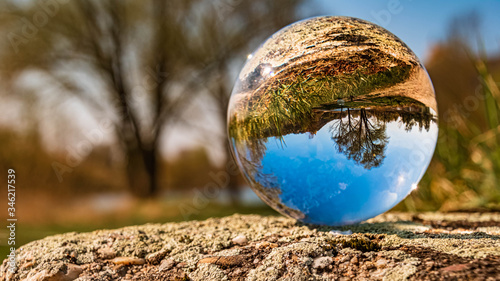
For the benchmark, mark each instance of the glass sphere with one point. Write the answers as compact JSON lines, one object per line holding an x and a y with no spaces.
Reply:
{"x":333,"y":120}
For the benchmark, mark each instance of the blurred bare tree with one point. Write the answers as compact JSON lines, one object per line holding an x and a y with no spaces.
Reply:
{"x":141,"y":61}
{"x":111,"y":44}
{"x":224,"y":39}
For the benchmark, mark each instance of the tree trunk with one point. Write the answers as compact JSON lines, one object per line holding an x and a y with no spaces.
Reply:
{"x":151,"y":164}
{"x":142,"y":170}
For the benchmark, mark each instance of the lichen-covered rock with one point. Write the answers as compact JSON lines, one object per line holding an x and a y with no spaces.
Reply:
{"x":389,"y":247}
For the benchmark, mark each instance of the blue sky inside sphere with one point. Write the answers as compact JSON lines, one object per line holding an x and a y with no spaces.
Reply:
{"x":328,"y":188}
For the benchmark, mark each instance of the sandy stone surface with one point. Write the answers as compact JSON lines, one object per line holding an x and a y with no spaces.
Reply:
{"x":394,"y":246}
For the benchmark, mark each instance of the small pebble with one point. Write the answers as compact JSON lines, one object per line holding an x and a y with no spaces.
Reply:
{"x":128,"y":261}
{"x":106,"y":253}
{"x":156,"y":257}
{"x":166,"y":264}
{"x":28,"y":264}
{"x":240,"y":240}
{"x":354,"y":260}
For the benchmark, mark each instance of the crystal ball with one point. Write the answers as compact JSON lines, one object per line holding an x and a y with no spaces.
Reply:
{"x":333,"y":120}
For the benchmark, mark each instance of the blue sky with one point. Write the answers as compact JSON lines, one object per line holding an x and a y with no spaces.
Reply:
{"x":418,"y":23}
{"x":332,"y":189}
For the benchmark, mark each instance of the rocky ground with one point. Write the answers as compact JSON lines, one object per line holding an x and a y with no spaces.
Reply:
{"x":428,"y":246}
